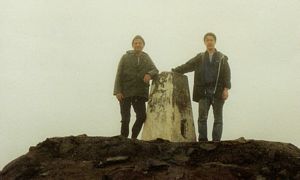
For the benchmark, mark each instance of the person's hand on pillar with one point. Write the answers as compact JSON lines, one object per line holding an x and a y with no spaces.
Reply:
{"x":147,"y":78}
{"x":119,"y":96}
{"x":225,"y":94}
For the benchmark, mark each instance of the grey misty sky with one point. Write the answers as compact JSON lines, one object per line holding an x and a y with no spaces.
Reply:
{"x":58,"y":61}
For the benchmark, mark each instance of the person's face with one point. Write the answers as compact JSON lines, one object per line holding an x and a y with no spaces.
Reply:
{"x":138,"y":45}
{"x":210,"y":42}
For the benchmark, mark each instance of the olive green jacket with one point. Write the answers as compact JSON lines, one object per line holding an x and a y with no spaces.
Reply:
{"x":130,"y":74}
{"x":196,"y":64}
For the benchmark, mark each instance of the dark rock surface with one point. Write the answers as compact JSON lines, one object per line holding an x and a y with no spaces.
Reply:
{"x":83,"y":157}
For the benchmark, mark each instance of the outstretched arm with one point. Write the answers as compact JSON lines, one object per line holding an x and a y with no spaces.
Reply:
{"x":152,"y":72}
{"x":189,"y":66}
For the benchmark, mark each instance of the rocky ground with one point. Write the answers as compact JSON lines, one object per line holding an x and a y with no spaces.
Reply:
{"x":84,"y":157}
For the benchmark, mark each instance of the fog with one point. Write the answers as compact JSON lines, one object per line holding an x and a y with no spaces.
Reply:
{"x":58,"y":61}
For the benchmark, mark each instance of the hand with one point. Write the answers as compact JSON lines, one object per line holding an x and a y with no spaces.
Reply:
{"x":225,"y":94}
{"x":147,"y":78}
{"x":119,"y":96}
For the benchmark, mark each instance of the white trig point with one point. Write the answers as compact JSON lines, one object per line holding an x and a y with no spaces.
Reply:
{"x":169,"y":110}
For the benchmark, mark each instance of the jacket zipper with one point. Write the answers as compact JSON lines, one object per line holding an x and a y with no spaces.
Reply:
{"x":218,"y":74}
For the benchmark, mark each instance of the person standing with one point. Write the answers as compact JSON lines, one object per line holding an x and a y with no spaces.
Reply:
{"x":212,"y":80}
{"x":135,"y":70}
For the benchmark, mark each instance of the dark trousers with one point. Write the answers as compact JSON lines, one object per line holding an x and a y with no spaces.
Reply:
{"x":204,"y":106}
{"x":139,"y":106}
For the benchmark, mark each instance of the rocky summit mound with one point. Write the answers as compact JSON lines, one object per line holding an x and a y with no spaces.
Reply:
{"x":83,"y":157}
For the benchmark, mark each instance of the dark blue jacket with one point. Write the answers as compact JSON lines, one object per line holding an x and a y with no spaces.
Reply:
{"x":196,"y":64}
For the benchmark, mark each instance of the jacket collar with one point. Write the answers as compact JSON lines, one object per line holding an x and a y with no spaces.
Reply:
{"x":214,"y":57}
{"x":132,"y":52}
{"x":216,"y":51}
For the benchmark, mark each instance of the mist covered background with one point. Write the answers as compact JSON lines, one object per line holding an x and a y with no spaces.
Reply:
{"x":58,"y":61}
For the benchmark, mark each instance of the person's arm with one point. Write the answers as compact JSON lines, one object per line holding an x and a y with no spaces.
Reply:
{"x":152,"y":71}
{"x":189,"y":66}
{"x":227,"y":74}
{"x":227,"y":79}
{"x":118,"y":86}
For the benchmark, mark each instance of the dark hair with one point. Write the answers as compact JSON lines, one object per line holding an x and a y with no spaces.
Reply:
{"x":138,"y":37}
{"x":210,"y":34}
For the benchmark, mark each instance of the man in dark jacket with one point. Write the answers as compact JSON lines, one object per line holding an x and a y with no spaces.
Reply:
{"x":135,"y":70}
{"x":212,"y":80}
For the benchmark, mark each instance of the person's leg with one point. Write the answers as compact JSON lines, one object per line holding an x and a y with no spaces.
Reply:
{"x":125,"y":106}
{"x":218,"y":119}
{"x":139,"y":106}
{"x":204,"y":105}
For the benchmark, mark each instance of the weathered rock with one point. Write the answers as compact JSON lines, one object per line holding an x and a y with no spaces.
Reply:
{"x":112,"y":160}
{"x":159,"y":159}
{"x":169,"y":113}
{"x":208,"y":146}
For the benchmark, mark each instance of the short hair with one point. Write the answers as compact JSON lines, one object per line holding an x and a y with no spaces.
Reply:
{"x":138,"y":37}
{"x":210,"y":34}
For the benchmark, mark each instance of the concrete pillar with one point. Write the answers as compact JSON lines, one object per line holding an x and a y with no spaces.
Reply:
{"x":169,"y":110}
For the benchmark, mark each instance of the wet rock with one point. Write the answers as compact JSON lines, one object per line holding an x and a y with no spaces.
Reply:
{"x":297,"y":176}
{"x":208,"y":146}
{"x":84,"y":157}
{"x":112,"y":160}
{"x":265,"y":170}
{"x":154,"y":164}
{"x":241,"y":140}
{"x":283,"y":173}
